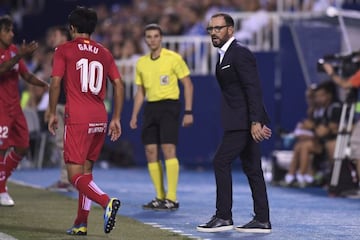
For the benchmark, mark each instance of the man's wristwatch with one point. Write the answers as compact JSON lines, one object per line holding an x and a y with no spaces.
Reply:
{"x":254,"y":123}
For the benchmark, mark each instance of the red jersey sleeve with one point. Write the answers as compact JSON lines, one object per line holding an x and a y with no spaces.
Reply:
{"x":58,"y":63}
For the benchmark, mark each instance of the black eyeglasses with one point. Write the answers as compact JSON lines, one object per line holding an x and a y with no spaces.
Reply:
{"x":216,"y":28}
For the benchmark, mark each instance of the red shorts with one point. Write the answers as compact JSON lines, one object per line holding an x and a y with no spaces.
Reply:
{"x":13,"y":129}
{"x":83,"y":142}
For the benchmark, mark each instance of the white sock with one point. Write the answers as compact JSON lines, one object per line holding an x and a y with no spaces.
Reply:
{"x":289,"y":178}
{"x":308,"y":178}
{"x":300,"y":178}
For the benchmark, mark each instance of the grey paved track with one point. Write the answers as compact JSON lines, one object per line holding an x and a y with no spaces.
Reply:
{"x":295,"y":214}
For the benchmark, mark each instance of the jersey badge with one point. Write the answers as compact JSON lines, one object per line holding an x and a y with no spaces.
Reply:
{"x":164,"y":80}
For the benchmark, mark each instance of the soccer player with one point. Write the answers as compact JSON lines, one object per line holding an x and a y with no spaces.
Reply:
{"x":14,"y":133}
{"x":84,"y":66}
{"x":157,"y":75}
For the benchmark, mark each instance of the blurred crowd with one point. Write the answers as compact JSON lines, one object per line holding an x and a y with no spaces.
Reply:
{"x":120,"y":29}
{"x":120,"y":26}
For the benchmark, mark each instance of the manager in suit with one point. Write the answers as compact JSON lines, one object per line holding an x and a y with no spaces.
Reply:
{"x":244,"y":118}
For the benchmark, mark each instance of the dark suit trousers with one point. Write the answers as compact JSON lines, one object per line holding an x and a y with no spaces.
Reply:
{"x":234,"y":144}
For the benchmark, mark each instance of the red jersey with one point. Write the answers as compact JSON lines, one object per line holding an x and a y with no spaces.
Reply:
{"x":84,"y":65}
{"x":9,"y":81}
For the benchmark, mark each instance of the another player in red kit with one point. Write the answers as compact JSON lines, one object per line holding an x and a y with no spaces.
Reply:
{"x":84,"y":65}
{"x":14,"y":133}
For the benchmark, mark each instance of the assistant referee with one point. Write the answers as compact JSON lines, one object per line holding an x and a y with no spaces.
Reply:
{"x":157,"y":75}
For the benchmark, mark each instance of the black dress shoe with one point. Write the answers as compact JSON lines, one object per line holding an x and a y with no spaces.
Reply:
{"x":216,"y":225}
{"x":254,"y":226}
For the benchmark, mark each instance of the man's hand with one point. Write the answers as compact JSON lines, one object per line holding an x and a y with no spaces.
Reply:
{"x":260,"y":133}
{"x":328,"y":69}
{"x":188,"y":120}
{"x":27,"y":49}
{"x":114,"y":130}
{"x":53,"y":124}
{"x":266,"y":132}
{"x":133,"y":123}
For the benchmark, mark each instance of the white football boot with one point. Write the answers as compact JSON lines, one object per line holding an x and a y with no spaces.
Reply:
{"x":6,"y":200}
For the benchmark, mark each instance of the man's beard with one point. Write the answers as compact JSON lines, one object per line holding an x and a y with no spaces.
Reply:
{"x":217,"y":42}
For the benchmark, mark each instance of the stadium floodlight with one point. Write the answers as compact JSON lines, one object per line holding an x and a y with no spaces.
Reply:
{"x":332,"y":11}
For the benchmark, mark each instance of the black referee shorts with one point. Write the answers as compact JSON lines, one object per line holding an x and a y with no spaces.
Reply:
{"x":161,"y":121}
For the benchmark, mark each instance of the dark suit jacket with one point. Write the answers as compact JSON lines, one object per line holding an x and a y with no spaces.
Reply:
{"x":242,"y":101}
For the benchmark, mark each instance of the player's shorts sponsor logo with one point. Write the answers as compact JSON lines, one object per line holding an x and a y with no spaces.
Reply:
{"x":97,"y":128}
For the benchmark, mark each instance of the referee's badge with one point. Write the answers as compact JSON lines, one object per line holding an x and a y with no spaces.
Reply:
{"x":164,"y":80}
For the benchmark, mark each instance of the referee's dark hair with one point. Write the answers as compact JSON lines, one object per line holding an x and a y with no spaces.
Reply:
{"x":153,"y":26}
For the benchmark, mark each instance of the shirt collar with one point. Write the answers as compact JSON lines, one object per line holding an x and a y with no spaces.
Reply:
{"x":225,"y":47}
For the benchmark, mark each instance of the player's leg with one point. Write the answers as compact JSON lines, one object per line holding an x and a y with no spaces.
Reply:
{"x":78,"y":146}
{"x":5,"y":199}
{"x":14,"y":133}
{"x":82,"y":179}
{"x":13,"y":159}
{"x":80,"y":224}
{"x":113,"y":204}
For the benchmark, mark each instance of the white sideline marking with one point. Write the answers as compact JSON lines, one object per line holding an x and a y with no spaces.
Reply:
{"x":4,"y":236}
{"x":154,"y":224}
{"x":22,"y":183}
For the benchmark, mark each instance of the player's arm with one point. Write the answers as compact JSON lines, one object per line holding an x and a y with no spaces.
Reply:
{"x":54,"y":94}
{"x":24,"y":50}
{"x":32,"y":79}
{"x":115,"y":127}
{"x":188,"y":96}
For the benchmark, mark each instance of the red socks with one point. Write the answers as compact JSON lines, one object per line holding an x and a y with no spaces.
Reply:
{"x":12,"y":160}
{"x":2,"y":175}
{"x":85,"y":185}
{"x":84,"y":205}
{"x":7,"y":166}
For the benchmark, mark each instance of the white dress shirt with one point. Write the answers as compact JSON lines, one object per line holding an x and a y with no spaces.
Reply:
{"x":224,"y":48}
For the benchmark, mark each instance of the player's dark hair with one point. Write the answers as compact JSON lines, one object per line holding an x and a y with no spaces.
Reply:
{"x":153,"y":26}
{"x":228,"y":19}
{"x":83,"y":19}
{"x":5,"y":21}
